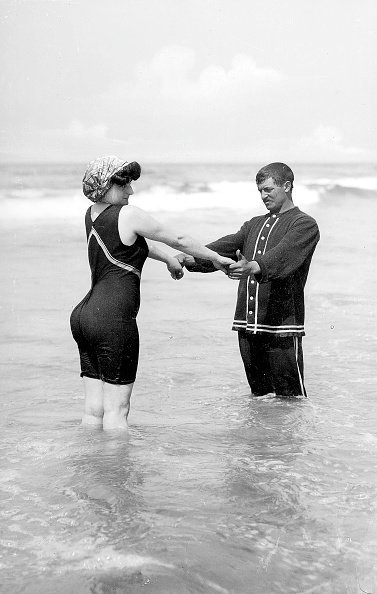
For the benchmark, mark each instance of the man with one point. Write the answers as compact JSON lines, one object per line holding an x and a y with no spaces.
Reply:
{"x":273,"y":254}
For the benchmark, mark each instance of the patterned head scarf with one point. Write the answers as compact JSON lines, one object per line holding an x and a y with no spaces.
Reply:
{"x":97,"y":179}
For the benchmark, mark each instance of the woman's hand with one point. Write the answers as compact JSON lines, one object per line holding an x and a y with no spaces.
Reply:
{"x":175,"y":268}
{"x":184,"y":259}
{"x":222,"y":263}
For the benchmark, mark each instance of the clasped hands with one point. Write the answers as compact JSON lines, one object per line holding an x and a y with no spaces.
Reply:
{"x":235,"y":271}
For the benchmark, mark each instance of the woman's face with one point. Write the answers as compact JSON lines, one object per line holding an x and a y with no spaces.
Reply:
{"x":118,"y":194}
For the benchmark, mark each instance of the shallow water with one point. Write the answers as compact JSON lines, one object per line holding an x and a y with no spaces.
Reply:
{"x":218,"y":494}
{"x":212,"y":490}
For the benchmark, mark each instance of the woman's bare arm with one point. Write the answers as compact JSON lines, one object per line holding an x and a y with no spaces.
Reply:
{"x":141,"y":223}
{"x":174,"y":267}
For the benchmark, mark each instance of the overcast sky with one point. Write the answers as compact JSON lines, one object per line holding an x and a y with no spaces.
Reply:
{"x":189,"y":80}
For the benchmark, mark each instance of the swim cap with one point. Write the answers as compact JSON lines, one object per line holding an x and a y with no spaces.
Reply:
{"x":97,"y":179}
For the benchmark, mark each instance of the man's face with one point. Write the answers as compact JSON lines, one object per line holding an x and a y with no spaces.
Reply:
{"x":274,"y":197}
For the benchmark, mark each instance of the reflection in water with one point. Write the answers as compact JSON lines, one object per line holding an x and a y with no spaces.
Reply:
{"x":291,"y":461}
{"x":265,"y":478}
{"x":73,"y":502}
{"x":261,"y":495}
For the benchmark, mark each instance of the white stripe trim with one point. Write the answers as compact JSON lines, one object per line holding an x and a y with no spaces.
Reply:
{"x":128,"y":267}
{"x":295,"y":340}
{"x":248,"y":282}
{"x":282,"y":326}
{"x":271,"y":325}
{"x":267,"y":329}
{"x":257,"y":288}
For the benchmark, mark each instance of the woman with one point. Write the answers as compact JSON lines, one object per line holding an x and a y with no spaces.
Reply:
{"x":104,"y":322}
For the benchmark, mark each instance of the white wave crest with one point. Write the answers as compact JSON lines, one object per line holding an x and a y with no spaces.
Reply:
{"x":33,"y":205}
{"x":220,"y":195}
{"x":359,"y":183}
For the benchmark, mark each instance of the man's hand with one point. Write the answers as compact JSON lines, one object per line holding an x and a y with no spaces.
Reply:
{"x":242,"y":268}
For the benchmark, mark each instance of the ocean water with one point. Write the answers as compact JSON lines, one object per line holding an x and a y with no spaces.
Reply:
{"x":212,"y":491}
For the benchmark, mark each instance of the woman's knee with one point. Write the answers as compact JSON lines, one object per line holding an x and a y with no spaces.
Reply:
{"x":92,"y":420}
{"x":117,"y":397}
{"x":94,"y":408}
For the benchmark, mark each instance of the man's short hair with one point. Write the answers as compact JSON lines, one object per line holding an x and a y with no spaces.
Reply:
{"x":279,"y":172}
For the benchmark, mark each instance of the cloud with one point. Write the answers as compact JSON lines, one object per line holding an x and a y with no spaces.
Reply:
{"x":171,"y":84}
{"x":76,"y":129}
{"x":172,"y":72}
{"x":327,"y":141}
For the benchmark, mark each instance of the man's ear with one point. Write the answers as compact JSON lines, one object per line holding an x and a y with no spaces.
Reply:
{"x":287,"y":186}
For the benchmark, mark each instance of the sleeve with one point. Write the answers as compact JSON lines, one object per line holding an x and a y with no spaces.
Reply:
{"x":225,"y":246}
{"x":289,"y":254}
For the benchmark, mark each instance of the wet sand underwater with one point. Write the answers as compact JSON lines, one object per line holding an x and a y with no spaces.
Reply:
{"x":212,"y":490}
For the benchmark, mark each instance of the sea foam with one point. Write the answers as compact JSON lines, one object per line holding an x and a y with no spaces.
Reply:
{"x":26,"y":204}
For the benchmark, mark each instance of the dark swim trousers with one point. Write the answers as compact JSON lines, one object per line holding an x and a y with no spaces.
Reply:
{"x":113,"y":355}
{"x":273,"y":364}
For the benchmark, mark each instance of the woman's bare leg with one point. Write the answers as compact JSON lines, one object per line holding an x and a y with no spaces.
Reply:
{"x":116,"y":404}
{"x":93,"y":411}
